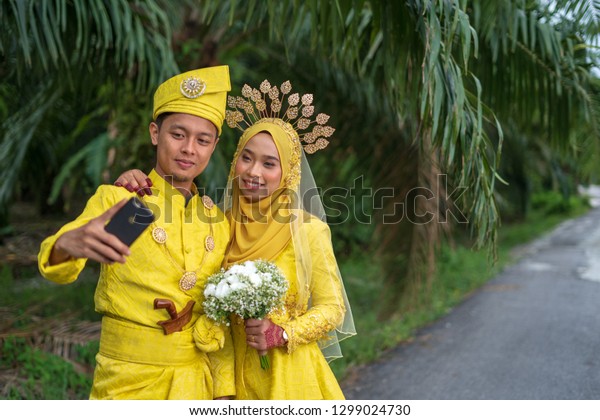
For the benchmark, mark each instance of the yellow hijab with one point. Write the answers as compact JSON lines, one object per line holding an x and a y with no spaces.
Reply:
{"x":262,"y":229}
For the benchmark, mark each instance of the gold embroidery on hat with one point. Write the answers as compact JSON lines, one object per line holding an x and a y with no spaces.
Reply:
{"x":268,"y":104}
{"x":192,"y":87}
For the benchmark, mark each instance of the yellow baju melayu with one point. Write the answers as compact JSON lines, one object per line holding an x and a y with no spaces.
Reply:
{"x":137,"y":360}
{"x":298,"y":371}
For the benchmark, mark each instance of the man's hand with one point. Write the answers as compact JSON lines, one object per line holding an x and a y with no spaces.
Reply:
{"x":91,"y":241}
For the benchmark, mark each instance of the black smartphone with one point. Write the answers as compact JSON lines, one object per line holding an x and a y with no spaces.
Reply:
{"x":130,"y":221}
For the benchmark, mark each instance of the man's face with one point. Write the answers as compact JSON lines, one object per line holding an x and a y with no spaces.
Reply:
{"x":184,"y":144}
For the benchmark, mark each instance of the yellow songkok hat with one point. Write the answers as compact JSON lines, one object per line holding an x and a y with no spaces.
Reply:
{"x":201,"y":92}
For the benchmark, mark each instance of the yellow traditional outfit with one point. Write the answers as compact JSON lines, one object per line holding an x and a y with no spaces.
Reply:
{"x":138,"y":358}
{"x":283,"y":229}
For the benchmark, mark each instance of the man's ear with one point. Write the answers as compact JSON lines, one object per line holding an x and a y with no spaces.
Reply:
{"x":153,"y":129}
{"x":215,"y":145}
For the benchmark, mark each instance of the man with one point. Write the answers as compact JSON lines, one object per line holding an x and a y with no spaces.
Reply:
{"x":156,"y":343}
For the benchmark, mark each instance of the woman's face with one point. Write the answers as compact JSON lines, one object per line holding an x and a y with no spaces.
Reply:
{"x":258,"y":168}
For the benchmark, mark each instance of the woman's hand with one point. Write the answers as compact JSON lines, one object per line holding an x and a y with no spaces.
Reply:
{"x":135,"y":180}
{"x":263,"y":335}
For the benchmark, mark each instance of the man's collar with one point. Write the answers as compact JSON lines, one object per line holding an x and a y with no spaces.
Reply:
{"x":166,"y":188}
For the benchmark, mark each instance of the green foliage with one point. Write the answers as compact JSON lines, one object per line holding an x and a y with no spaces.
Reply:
{"x":552,"y":202}
{"x":6,"y":278}
{"x":86,"y":354}
{"x":57,"y":60}
{"x":40,"y":375}
{"x":38,"y":297}
{"x":460,"y":271}
{"x":37,"y":374}
{"x":86,"y":38}
{"x":415,"y":89}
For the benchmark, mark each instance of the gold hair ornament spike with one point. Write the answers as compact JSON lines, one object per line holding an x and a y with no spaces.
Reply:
{"x":268,"y":102}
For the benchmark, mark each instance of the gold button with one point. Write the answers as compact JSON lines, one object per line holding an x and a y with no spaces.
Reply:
{"x":159,"y":235}
{"x":209,"y":243}
{"x":207,"y":201}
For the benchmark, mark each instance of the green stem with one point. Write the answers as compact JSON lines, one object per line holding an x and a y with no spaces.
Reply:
{"x":264,"y":362}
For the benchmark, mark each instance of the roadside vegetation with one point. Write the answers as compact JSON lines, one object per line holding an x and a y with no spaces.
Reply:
{"x":34,"y":309}
{"x":487,"y":106}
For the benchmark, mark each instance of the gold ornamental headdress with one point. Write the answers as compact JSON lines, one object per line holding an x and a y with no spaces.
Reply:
{"x":256,"y":105}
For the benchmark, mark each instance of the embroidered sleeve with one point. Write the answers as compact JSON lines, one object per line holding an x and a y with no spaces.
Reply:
{"x":326,"y":308}
{"x":68,"y":271}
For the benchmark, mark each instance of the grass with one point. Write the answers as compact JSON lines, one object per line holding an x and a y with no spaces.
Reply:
{"x":41,"y":375}
{"x":32,"y":296}
{"x":30,"y":302}
{"x":28,"y":373}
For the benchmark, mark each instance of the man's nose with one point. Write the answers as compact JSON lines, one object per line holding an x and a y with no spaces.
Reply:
{"x":188,"y":146}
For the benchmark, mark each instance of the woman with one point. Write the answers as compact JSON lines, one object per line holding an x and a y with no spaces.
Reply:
{"x":275,"y":214}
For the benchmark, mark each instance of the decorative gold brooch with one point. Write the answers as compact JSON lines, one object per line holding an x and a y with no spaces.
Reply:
{"x":189,"y":278}
{"x":192,"y":87}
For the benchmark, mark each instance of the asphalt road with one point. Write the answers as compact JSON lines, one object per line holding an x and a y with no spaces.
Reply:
{"x":531,"y":333}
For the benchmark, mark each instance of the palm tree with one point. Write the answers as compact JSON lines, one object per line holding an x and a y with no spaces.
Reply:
{"x":452,"y":71}
{"x":421,"y":89}
{"x":64,"y":66}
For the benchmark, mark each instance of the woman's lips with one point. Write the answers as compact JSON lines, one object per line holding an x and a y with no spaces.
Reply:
{"x":252,"y":185}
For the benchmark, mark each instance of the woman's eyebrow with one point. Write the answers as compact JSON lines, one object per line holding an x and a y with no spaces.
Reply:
{"x":268,"y":157}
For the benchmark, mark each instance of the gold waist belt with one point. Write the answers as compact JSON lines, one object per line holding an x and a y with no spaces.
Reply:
{"x":138,"y":344}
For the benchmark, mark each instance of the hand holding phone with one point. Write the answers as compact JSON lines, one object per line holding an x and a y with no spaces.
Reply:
{"x":130,"y":221}
{"x":127,"y":221}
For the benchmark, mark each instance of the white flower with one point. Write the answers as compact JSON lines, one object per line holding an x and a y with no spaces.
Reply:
{"x":236,"y":269}
{"x":250,"y":290}
{"x":223,"y":290}
{"x":255,"y":279}
{"x":237,"y":286}
{"x":250,"y":267}
{"x":231,"y":280}
{"x":210,"y":290}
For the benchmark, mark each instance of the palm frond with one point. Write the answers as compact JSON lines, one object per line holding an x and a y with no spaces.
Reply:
{"x":18,"y":131}
{"x":108,"y":38}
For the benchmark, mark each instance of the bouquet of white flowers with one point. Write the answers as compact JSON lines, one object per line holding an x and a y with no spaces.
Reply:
{"x":251,"y":290}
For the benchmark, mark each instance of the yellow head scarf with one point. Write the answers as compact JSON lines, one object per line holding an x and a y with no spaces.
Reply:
{"x":262,"y":229}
